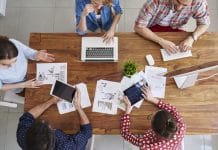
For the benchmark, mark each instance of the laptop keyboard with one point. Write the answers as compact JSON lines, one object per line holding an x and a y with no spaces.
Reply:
{"x":99,"y":52}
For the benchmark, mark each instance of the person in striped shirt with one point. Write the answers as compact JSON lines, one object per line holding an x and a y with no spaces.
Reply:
{"x":171,"y":16}
{"x":167,"y":126}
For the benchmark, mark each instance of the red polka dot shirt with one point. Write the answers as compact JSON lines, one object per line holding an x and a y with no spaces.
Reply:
{"x":150,"y":141}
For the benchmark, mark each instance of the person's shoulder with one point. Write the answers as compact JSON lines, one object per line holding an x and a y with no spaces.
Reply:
{"x":16,"y":42}
{"x":158,"y":2}
{"x":198,"y":2}
{"x":83,"y":1}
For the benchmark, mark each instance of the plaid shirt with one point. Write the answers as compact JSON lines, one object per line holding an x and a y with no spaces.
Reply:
{"x":154,"y":11}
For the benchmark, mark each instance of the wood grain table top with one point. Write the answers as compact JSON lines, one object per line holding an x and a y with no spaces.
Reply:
{"x":198,"y":104}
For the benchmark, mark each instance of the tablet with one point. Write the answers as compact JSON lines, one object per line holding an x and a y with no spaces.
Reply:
{"x":134,"y":93}
{"x":63,"y":90}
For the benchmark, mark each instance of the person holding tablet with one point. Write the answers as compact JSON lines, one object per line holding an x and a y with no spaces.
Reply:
{"x":13,"y":64}
{"x":167,"y":126}
{"x":94,"y":15}
{"x":33,"y":134}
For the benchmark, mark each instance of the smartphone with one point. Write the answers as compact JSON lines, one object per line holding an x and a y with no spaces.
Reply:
{"x":63,"y":90}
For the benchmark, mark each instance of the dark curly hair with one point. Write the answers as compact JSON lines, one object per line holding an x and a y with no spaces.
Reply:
{"x":40,"y":137}
{"x":164,"y":124}
{"x":7,"y":49}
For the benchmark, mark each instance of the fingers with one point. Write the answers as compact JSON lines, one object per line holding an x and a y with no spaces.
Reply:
{"x":33,"y":83}
{"x":89,"y":8}
{"x":126,"y":100}
{"x":43,"y":50}
{"x":107,"y":38}
{"x":172,"y":49}
{"x":32,"y":80}
{"x":50,"y":58}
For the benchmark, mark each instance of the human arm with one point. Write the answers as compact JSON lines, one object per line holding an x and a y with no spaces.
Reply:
{"x":161,"y":105}
{"x":32,"y":54}
{"x":117,"y":12}
{"x":145,"y":32}
{"x":25,"y":122}
{"x":143,"y":21}
{"x":80,"y":139}
{"x":77,"y":103}
{"x":188,"y":42}
{"x":125,"y":126}
{"x":81,"y":14}
{"x":109,"y":35}
{"x":33,"y":83}
{"x":201,"y":14}
{"x":39,"y":109}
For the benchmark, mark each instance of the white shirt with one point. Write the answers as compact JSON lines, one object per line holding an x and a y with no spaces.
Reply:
{"x":17,"y":72}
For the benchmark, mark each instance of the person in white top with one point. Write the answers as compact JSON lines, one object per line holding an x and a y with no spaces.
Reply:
{"x":13,"y":64}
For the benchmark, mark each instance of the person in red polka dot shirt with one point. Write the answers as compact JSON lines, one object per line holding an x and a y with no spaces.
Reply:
{"x":167,"y":126}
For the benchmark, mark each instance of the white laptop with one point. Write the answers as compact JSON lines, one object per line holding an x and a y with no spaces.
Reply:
{"x":94,"y":49}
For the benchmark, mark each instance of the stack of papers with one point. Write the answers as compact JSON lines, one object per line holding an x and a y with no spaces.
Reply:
{"x":66,"y":107}
{"x":48,"y":73}
{"x":178,"y":55}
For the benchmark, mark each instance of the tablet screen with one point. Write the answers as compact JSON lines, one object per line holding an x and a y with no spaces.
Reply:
{"x":63,"y":91}
{"x":134,"y":93}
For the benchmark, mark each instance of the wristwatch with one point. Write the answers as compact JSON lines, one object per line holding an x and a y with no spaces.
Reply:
{"x":194,"y":37}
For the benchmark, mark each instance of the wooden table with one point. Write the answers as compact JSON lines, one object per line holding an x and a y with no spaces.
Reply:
{"x":198,"y":105}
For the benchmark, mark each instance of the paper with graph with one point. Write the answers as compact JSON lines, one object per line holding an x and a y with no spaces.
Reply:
{"x":48,"y":73}
{"x":106,"y":97}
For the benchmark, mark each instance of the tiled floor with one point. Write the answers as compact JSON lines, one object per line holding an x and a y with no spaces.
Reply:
{"x":25,"y":16}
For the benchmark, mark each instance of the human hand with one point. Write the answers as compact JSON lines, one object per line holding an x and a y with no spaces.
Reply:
{"x":33,"y":83}
{"x":77,"y":99}
{"x":108,"y":36}
{"x":54,"y":100}
{"x":42,"y":55}
{"x":128,"y":105}
{"x":169,"y":46}
{"x":147,"y":95}
{"x":186,"y":44}
{"x":88,"y":8}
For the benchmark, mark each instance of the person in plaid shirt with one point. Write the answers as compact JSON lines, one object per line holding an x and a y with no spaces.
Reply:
{"x":171,"y":16}
{"x":167,"y":126}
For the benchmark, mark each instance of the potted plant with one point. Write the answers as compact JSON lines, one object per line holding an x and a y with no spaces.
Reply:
{"x":130,"y":68}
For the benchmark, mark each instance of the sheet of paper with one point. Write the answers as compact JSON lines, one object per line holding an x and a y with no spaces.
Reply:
{"x":106,"y":97}
{"x":139,"y":77}
{"x":120,"y":103}
{"x":179,"y":55}
{"x":156,"y":81}
{"x":49,"y":72}
{"x":66,"y":107}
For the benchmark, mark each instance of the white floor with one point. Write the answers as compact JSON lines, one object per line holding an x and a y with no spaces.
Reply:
{"x":25,"y":16}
